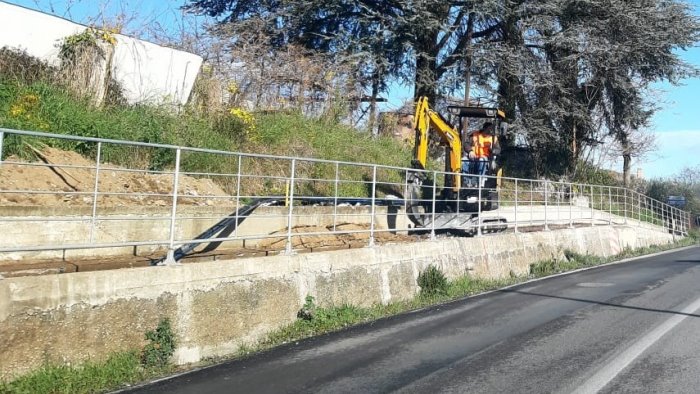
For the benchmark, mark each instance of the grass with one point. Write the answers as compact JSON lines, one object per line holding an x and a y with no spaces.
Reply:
{"x":118,"y":370}
{"x":44,"y":106}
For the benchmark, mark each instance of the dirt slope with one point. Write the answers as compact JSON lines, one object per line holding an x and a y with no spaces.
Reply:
{"x":72,"y":178}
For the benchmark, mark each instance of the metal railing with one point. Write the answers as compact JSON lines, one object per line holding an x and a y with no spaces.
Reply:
{"x":149,"y":198}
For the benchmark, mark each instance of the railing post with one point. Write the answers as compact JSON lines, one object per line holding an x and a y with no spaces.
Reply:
{"x":625,"y":205}
{"x":592,"y":210}
{"x":478,"y":202}
{"x":289,"y":248}
{"x":571,"y":205}
{"x":546,"y":204}
{"x":238,"y":189}
{"x":373,"y":209}
{"x":602,"y":202}
{"x":335,"y":196}
{"x":610,"y":220}
{"x":532,"y":203}
{"x":639,"y":209}
{"x":170,"y":258}
{"x":459,"y":191}
{"x":516,"y":205}
{"x":664,"y":214}
{"x":94,"y":193}
{"x":2,"y":139}
{"x":432,"y":225}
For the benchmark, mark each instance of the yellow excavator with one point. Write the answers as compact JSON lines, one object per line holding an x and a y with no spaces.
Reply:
{"x":464,"y":196}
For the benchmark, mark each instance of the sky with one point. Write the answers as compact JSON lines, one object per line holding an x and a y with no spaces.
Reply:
{"x":676,"y":125}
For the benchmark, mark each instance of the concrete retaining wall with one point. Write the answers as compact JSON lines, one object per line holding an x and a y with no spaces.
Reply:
{"x":217,"y":306}
{"x":73,"y":226}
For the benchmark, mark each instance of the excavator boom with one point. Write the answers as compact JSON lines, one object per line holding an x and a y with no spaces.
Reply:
{"x":426,"y":119}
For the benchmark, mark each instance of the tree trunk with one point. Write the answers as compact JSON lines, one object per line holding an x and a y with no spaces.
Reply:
{"x":426,"y":66}
{"x":373,"y":104}
{"x":626,"y":161}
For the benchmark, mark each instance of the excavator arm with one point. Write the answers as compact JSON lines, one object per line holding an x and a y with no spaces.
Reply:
{"x":424,"y":120}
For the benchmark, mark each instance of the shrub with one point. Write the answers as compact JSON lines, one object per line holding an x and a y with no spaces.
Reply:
{"x":160,"y":347}
{"x":432,"y":282}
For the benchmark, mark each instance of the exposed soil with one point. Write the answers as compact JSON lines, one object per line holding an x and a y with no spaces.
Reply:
{"x":66,"y":178}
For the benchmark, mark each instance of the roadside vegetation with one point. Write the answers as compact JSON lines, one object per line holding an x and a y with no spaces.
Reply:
{"x":43,"y":106}
{"x":437,"y":289}
{"x":34,"y":96}
{"x":118,"y":370}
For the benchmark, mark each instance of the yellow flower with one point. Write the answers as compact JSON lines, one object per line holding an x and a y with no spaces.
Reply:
{"x":232,"y":87}
{"x":16,"y":110}
{"x":245,"y":117}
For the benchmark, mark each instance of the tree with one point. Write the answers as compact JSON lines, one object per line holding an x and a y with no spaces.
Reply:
{"x":562,"y":69}
{"x":573,"y":68}
{"x":421,"y":41}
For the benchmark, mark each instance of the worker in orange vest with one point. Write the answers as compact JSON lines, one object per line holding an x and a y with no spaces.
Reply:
{"x":481,"y":148}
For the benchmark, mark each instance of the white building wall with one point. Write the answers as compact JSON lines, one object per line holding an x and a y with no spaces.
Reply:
{"x":147,"y":73}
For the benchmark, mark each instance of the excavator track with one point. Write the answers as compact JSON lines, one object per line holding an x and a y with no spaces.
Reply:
{"x":419,"y":211}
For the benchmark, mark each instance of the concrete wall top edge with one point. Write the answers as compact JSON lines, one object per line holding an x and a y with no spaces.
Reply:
{"x":100,"y":287}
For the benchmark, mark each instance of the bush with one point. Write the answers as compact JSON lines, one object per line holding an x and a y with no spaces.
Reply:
{"x":161,"y":346}
{"x":432,"y":282}
{"x":19,"y":66}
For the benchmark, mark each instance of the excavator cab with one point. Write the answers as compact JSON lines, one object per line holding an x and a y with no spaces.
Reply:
{"x":471,"y":118}
{"x":459,"y":202}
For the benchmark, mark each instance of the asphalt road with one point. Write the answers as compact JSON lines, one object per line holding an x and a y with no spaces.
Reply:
{"x":630,"y":327}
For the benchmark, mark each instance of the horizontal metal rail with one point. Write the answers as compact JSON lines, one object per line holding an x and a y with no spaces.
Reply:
{"x":305,"y":200}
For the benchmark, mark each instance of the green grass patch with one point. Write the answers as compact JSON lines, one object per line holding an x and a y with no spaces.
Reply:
{"x":573,"y":260}
{"x":47,"y":107}
{"x":118,"y":370}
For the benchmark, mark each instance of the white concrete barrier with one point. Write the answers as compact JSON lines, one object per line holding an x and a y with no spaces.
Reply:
{"x":147,"y":73}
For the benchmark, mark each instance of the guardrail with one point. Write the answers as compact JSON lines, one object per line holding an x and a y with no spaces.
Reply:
{"x":107,"y":200}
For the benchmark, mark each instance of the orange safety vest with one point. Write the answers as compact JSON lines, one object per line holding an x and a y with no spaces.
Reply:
{"x":481,"y":144}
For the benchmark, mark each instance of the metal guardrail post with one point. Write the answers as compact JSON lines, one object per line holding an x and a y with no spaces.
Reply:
{"x":516,"y":206}
{"x":602,"y":203}
{"x":335,"y":196}
{"x":571,"y":205}
{"x":432,"y":225}
{"x":592,"y":210}
{"x":2,"y":140}
{"x":238,"y":188}
{"x":170,"y":258}
{"x":532,"y":203}
{"x":625,"y":205}
{"x":373,"y":208}
{"x":459,"y":191}
{"x":93,"y":222}
{"x":546,"y":204}
{"x":289,"y":247}
{"x":478,"y":202}
{"x":664,"y":216}
{"x":640,"y":203}
{"x":610,"y":214}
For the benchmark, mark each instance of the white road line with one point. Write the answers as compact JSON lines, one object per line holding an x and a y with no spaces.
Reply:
{"x":610,"y":370}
